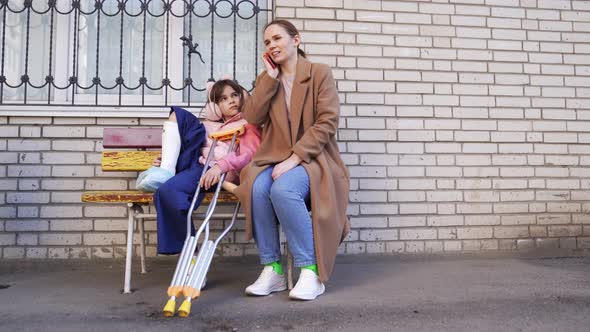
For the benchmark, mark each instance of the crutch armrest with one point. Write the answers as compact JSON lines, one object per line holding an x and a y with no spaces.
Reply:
{"x":227,"y":134}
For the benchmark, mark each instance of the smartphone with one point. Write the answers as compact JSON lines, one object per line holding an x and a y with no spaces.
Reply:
{"x":269,"y":59}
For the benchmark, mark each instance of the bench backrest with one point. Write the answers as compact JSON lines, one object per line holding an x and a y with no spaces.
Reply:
{"x":130,"y":138}
{"x":138,"y":138}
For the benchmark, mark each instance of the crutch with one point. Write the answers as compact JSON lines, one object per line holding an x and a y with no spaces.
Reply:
{"x":188,"y":278}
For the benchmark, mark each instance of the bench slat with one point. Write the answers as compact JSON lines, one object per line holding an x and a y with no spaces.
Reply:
{"x":136,"y":196}
{"x":126,"y":137}
{"x":127,"y":160}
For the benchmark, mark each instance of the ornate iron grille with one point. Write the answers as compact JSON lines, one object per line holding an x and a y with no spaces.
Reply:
{"x":126,"y":53}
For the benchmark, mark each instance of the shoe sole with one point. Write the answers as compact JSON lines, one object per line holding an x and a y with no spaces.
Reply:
{"x":308,"y":297}
{"x":273,"y":290}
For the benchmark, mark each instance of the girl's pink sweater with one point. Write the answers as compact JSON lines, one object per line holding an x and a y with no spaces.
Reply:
{"x":231,"y":162}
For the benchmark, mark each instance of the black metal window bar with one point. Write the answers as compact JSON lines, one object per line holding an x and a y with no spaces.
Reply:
{"x":126,"y":53}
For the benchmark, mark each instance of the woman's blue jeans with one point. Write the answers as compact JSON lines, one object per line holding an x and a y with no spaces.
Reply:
{"x":283,"y":201}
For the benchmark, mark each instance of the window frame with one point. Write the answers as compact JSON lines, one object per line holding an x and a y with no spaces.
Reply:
{"x":63,"y":48}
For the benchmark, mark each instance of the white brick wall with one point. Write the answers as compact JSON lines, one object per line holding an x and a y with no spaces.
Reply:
{"x":465,"y":125}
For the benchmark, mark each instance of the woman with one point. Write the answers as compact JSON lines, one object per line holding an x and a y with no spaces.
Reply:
{"x":297,"y":166}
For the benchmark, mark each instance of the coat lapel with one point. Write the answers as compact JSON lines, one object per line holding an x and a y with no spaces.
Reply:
{"x":298,"y":94}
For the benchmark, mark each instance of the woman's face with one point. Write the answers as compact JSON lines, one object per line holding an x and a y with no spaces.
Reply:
{"x":279,"y":44}
{"x":229,"y":102}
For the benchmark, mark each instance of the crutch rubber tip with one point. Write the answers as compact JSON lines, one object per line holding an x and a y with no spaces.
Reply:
{"x":185,"y":309}
{"x":169,"y":308}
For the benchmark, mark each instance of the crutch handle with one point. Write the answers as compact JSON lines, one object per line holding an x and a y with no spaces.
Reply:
{"x":228,"y":186}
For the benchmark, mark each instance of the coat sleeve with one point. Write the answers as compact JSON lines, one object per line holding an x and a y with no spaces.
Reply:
{"x":327,"y":108}
{"x":256,"y":107}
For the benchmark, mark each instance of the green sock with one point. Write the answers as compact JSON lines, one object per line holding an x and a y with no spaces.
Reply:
{"x":276,"y":266}
{"x":313,"y":267}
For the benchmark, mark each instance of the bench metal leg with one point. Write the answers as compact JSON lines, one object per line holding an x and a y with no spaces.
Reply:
{"x":132,"y":210}
{"x":141,"y":226}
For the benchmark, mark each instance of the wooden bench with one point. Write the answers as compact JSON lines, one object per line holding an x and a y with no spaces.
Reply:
{"x":139,"y":159}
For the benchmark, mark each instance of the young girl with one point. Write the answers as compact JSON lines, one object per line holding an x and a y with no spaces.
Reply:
{"x":185,"y":146}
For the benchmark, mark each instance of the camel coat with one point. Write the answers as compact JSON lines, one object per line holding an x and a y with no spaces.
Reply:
{"x":315,"y":110}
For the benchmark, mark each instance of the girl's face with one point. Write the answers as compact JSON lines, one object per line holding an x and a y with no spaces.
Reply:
{"x":279,"y":44}
{"x":229,"y":102}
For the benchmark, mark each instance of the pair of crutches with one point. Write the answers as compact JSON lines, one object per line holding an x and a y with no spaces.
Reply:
{"x":190,"y":273}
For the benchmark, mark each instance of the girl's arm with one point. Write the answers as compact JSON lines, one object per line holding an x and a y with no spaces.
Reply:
{"x":327,"y":115}
{"x":249,"y":143}
{"x":256,"y":107}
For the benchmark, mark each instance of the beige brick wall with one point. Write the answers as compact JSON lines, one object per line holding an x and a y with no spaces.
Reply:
{"x":465,"y":125}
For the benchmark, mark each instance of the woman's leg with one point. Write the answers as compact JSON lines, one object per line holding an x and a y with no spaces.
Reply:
{"x":266,"y":233}
{"x":289,"y":194}
{"x":265,"y":226}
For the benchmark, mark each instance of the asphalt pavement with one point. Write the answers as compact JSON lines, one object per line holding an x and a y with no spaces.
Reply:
{"x":366,"y":293}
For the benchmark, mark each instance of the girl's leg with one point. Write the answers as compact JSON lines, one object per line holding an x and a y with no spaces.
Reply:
{"x":289,"y":194}
{"x":170,"y":144}
{"x":172,"y":201}
{"x":265,"y":226}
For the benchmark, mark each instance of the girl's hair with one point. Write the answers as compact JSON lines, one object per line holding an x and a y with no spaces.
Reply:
{"x":291,"y":31}
{"x":217,"y":91}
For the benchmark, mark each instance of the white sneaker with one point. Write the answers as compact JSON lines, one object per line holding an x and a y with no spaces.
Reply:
{"x":269,"y":281}
{"x":308,"y":286}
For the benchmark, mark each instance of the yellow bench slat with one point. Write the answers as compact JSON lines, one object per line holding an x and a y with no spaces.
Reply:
{"x":136,"y":196}
{"x":113,"y":161}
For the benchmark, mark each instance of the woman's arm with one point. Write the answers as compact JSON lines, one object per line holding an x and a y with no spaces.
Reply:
{"x":256,"y":107}
{"x":327,"y":110}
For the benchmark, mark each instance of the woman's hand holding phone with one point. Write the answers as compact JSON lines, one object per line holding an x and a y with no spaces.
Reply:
{"x":271,"y":67}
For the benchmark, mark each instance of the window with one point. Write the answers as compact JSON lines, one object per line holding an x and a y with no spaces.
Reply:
{"x":126,"y":53}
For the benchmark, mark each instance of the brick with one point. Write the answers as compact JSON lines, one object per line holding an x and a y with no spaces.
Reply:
{"x":7,"y":239}
{"x":28,"y":171}
{"x":581,"y":16}
{"x":461,"y":20}
{"x":322,"y":25}
{"x":474,"y":232}
{"x":28,"y":145}
{"x":482,"y":220}
{"x":61,"y":211}
{"x":507,"y":232}
{"x":379,"y":235}
{"x":27,"y":197}
{"x":439,"y":221}
{"x":23,"y":225}
{"x":36,"y":253}
{"x":28,"y":212}
{"x":443,"y":147}
{"x":63,"y":184}
{"x":344,"y":15}
{"x":415,"y":208}
{"x":315,"y":13}
{"x":97,"y":238}
{"x":72,"y":171}
{"x":27,"y":239}
{"x":63,"y":131}
{"x":413,"y":18}
{"x":563,"y":230}
{"x":417,"y":234}
{"x":63,"y":158}
{"x":444,"y":196}
{"x":72,"y":145}
{"x":378,"y":209}
{"x":60,"y":239}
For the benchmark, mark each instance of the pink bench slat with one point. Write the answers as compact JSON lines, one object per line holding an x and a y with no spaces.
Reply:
{"x":140,"y":137}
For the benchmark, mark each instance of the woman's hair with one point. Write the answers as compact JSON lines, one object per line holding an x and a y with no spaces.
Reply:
{"x":291,"y":31}
{"x":217,"y":91}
